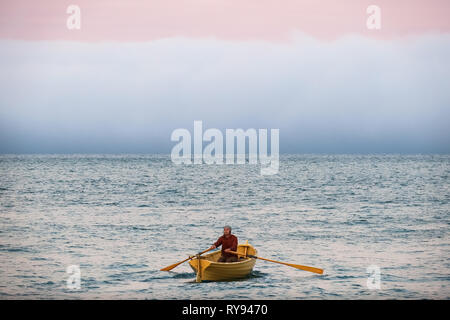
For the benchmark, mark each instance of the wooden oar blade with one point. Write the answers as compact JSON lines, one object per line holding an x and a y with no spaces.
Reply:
{"x":298,"y":266}
{"x":306,"y":268}
{"x":168,"y":268}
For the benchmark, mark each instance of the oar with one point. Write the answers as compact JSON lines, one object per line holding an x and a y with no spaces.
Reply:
{"x":168,"y":268}
{"x":298,"y":266}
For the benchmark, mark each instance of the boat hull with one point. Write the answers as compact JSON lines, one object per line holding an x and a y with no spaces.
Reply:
{"x":208,"y":269}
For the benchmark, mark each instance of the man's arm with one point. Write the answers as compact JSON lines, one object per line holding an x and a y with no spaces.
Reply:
{"x":235,"y":244}
{"x":218,"y":243}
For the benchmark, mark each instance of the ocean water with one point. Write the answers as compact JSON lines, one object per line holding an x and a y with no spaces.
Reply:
{"x":121,"y":218}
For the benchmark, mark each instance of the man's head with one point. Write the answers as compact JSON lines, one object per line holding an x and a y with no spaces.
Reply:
{"x":227,"y":230}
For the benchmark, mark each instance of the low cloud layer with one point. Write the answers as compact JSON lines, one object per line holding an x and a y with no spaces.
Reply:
{"x":351,"y":95}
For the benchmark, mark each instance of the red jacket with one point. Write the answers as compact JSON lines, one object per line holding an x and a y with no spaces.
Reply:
{"x":227,"y":243}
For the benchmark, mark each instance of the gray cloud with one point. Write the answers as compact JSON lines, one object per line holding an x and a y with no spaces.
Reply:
{"x":352,"y":95}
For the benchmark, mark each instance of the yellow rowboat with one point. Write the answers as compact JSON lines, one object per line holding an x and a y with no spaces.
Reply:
{"x":207,"y":267}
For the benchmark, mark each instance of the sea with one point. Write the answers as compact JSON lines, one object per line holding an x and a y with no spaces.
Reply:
{"x":378,"y":225}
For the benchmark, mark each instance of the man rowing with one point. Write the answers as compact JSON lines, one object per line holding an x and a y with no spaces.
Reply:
{"x":229,"y":243}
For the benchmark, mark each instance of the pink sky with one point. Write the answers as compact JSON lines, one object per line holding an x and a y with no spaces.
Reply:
{"x":138,"y":20}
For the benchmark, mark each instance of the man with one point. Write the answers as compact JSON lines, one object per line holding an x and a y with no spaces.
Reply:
{"x":229,"y":243}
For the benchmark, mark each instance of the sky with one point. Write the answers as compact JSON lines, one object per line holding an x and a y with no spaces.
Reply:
{"x":137,"y":70}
